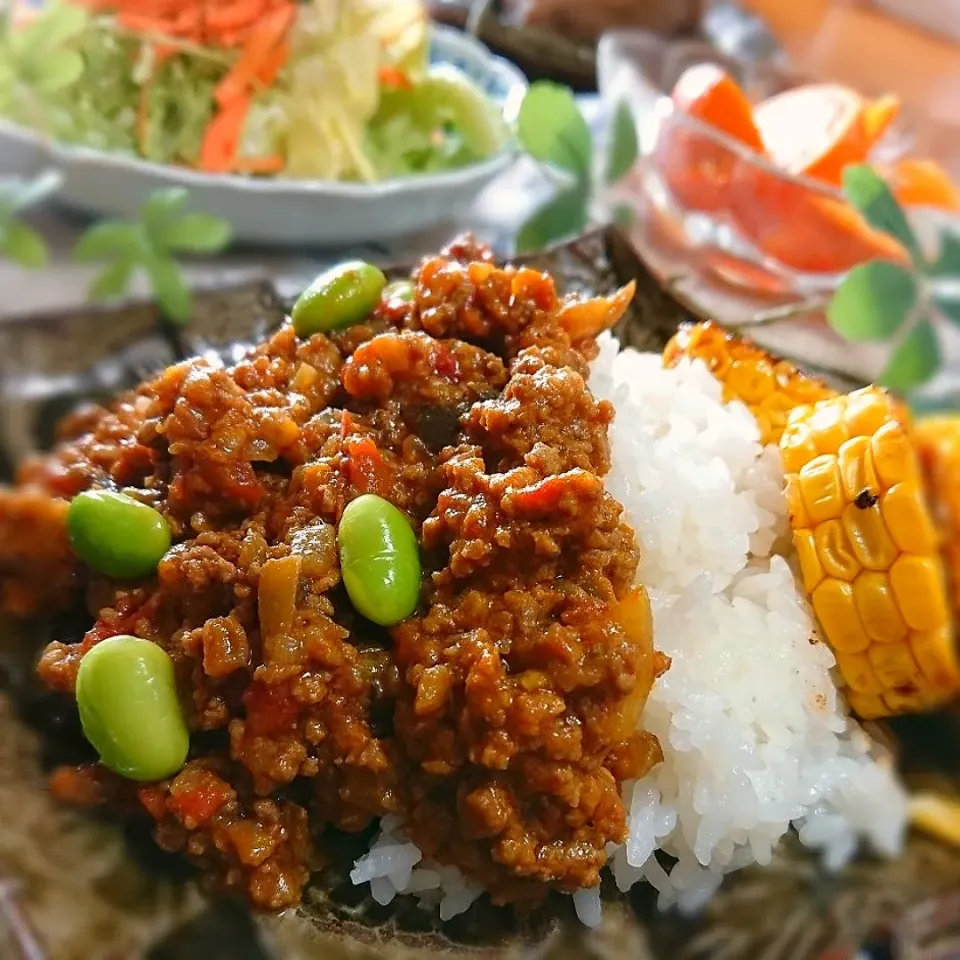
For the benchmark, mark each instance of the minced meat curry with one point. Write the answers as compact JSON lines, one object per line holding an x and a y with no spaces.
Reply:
{"x":500,"y":718}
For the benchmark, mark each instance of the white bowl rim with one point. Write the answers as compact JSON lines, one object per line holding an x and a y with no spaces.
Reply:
{"x":62,"y":155}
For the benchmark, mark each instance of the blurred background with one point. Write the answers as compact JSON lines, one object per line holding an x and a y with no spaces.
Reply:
{"x":909,"y":51}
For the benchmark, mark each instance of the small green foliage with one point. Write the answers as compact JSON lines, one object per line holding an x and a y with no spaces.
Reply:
{"x":869,"y":194}
{"x":872,"y":301}
{"x":563,"y":216}
{"x":947,"y":263}
{"x":624,"y":145}
{"x":197,"y":233}
{"x":949,"y":307}
{"x":170,"y":288}
{"x":19,"y":242}
{"x":23,"y":245}
{"x":162,"y":209}
{"x":553,"y":131}
{"x":551,"y":128}
{"x":915,"y":361}
{"x":112,"y":281}
{"x":149,"y":245}
{"x":105,"y":240}
{"x":884,"y":301}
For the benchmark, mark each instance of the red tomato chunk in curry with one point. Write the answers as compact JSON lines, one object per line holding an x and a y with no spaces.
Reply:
{"x":500,"y":719}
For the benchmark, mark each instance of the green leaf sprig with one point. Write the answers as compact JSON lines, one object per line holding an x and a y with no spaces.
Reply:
{"x":18,"y":241}
{"x":902,"y":304}
{"x":37,"y":59}
{"x":150,"y":245}
{"x":552,"y":131}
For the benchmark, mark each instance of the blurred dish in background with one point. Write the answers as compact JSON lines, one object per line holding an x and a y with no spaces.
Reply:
{"x":541,"y":54}
{"x":588,"y":21}
{"x":877,"y":46}
{"x":286,"y":210}
{"x":323,"y":91}
{"x":940,"y":16}
{"x":745,"y":159}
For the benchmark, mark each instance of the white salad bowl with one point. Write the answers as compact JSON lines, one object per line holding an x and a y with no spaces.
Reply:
{"x":280,"y":211}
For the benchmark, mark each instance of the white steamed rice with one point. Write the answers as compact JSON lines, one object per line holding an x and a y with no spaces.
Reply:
{"x":754,"y":734}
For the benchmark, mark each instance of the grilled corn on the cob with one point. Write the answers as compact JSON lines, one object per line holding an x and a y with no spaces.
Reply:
{"x":868,"y":552}
{"x":938,"y":443}
{"x":771,"y":388}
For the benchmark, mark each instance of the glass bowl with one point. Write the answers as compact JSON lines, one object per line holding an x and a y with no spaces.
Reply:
{"x":715,"y":193}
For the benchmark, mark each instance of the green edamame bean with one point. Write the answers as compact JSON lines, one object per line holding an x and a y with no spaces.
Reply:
{"x":340,"y":297}
{"x":129,"y":708}
{"x":402,"y":290}
{"x":117,"y":535}
{"x":379,"y":560}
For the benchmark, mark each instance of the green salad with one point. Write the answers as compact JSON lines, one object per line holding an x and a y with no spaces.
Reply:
{"x":346,"y":93}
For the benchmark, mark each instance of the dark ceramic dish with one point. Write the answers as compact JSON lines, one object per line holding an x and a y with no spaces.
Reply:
{"x":89,"y":890}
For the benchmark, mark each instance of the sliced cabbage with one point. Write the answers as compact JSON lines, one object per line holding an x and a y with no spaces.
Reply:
{"x":317,"y":115}
{"x":443,"y":122}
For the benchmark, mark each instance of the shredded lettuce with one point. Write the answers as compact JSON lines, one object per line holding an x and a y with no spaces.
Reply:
{"x":443,"y":122}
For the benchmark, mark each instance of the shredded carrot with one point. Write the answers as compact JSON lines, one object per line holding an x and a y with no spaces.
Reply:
{"x":187,"y":22}
{"x":273,"y":163}
{"x":222,"y":138}
{"x":235,"y":16}
{"x":255,"y":56}
{"x":271,"y":67}
{"x":257,"y":29}
{"x":141,"y":22}
{"x":394,"y":79}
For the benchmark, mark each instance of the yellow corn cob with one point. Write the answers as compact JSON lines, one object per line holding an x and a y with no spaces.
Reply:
{"x":938,"y":444}
{"x":771,"y":388}
{"x":868,"y":552}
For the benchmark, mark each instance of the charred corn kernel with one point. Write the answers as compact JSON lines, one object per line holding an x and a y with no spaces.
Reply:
{"x":938,"y":442}
{"x":868,"y":552}
{"x":872,"y":544}
{"x":856,"y":467}
{"x":770,"y":388}
{"x":877,"y":608}
{"x":836,"y":557}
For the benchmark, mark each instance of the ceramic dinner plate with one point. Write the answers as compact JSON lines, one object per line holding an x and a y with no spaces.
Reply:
{"x":92,"y":892}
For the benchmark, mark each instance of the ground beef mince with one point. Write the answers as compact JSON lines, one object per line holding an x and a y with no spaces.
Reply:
{"x":500,"y":719}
